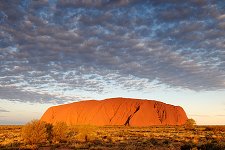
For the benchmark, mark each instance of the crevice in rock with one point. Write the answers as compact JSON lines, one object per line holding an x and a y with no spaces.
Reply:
{"x":177,"y":115}
{"x":115,"y":112}
{"x":161,"y":111}
{"x":127,"y":123}
{"x":162,"y":116}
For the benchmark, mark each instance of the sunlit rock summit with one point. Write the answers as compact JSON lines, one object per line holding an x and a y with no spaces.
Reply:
{"x":116,"y":111}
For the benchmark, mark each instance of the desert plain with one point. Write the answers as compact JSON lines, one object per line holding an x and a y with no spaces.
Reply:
{"x":123,"y":137}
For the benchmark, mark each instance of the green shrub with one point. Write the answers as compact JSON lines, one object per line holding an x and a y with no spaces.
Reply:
{"x":49,"y":128}
{"x":190,"y":124}
{"x":154,"y":141}
{"x":34,"y":132}
{"x":167,"y":142}
{"x":212,"y":146}
{"x":188,"y":146}
{"x":59,"y":132}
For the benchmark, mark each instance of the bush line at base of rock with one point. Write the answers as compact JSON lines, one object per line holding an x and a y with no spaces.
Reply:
{"x":38,"y":132}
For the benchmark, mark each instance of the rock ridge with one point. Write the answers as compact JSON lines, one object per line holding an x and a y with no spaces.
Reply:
{"x":116,"y":111}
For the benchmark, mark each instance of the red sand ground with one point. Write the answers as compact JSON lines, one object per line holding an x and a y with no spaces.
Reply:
{"x":116,"y":111}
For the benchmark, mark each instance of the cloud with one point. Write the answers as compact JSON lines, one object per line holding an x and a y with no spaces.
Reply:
{"x":199,"y":115}
{"x":3,"y":110}
{"x":221,"y":17}
{"x":94,"y":3}
{"x":59,"y":46}
{"x":15,"y":94}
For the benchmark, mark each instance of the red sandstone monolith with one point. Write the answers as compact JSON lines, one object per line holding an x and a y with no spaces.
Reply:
{"x":116,"y":111}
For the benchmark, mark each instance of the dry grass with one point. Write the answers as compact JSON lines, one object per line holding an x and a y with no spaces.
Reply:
{"x":10,"y":136}
{"x":121,"y":137}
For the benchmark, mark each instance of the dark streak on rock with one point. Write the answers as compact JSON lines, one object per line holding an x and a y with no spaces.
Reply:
{"x":127,"y":123}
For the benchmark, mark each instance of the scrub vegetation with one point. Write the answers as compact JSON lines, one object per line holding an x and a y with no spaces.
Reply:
{"x":41,"y":135}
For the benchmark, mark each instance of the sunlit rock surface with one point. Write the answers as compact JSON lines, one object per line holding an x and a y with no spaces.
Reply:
{"x":116,"y":111}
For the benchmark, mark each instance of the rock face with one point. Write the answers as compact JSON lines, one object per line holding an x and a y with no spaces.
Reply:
{"x":116,"y":111}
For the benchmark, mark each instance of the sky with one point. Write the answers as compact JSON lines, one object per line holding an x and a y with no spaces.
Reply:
{"x":60,"y":51}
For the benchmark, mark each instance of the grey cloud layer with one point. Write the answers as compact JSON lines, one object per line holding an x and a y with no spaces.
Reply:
{"x":88,"y":45}
{"x":3,"y":110}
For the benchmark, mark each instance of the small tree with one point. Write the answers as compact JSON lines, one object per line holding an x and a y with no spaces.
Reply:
{"x":34,"y":132}
{"x":49,"y":128}
{"x":60,"y":130}
{"x":190,"y":124}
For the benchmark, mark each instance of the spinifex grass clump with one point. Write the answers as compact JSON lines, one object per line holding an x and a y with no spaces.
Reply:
{"x":59,"y":132}
{"x":34,"y":132}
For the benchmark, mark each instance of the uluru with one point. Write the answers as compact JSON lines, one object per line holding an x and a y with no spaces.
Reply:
{"x":116,"y":111}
